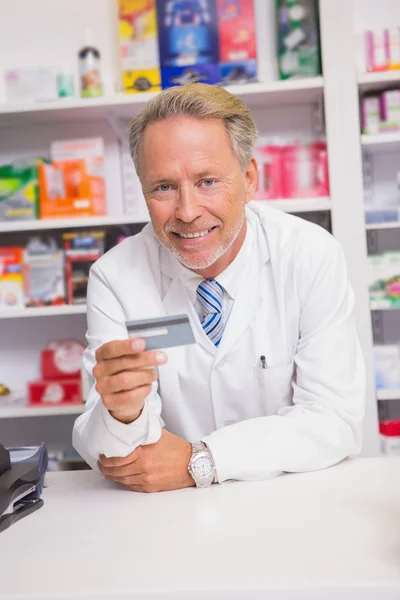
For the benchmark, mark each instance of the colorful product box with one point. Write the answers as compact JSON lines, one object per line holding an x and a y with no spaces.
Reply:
{"x":139,"y":46}
{"x":74,"y":184}
{"x":82,"y":249}
{"x":19,"y":191}
{"x":376,"y":50}
{"x":43,"y":274}
{"x":384,"y":279}
{"x":237,"y":35}
{"x":172,"y":76}
{"x":390,"y":437}
{"x":392,"y":39}
{"x":11,"y":278}
{"x":390,"y":110}
{"x":238,"y":72}
{"x":370,"y":115}
{"x":62,"y":360}
{"x":188,"y":32}
{"x":52,"y":393}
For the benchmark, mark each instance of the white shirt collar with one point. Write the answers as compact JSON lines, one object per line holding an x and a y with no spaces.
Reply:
{"x":229,"y":279}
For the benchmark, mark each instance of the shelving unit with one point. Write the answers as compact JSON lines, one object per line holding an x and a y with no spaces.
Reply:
{"x":381,"y":142}
{"x":388,"y":394}
{"x":18,"y":412}
{"x":44,"y":311}
{"x":374,"y":226}
{"x":297,"y":108}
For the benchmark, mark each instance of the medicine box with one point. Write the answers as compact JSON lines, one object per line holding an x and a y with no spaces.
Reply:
{"x":19,"y":192}
{"x":30,"y":85}
{"x":237,"y":35}
{"x":52,"y":393}
{"x":139,"y":46}
{"x":11,"y":278}
{"x":43,"y":274}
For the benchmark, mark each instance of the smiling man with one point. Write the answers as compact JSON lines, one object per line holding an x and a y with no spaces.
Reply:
{"x":275,"y":382}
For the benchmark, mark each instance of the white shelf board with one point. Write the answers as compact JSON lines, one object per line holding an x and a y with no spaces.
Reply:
{"x":388,"y":394}
{"x":381,"y":142}
{"x":10,"y":226}
{"x":383,"y":305}
{"x":394,"y":225}
{"x":15,"y":412}
{"x":44,"y":311}
{"x":292,"y":91}
{"x":300,"y":205}
{"x":369,"y":82}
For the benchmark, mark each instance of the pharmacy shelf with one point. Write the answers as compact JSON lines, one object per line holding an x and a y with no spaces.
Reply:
{"x":372,"y":226}
{"x":12,"y":226}
{"x":294,"y":91}
{"x":300,"y":205}
{"x":388,"y":394}
{"x":369,"y":82}
{"x":44,"y":311}
{"x":381,"y":142}
{"x":16,"y":412}
{"x":383,"y":305}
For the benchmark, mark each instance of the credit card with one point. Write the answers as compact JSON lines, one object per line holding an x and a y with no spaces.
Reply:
{"x":162,"y":332}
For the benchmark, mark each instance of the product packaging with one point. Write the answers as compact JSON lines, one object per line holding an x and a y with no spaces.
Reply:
{"x":74,"y":184}
{"x":11,"y":278}
{"x":82,"y":249}
{"x":188,"y":33}
{"x":65,"y":82}
{"x":376,"y":51}
{"x":62,"y":360}
{"x":269,"y":159}
{"x":90,"y":69}
{"x":390,"y":437}
{"x":370,"y":115}
{"x":237,"y":41}
{"x":305,"y":171}
{"x":390,"y":110}
{"x":43,"y":273}
{"x":384,"y":279}
{"x":139,"y":46}
{"x":387,"y":367}
{"x":19,"y":191}
{"x":392,"y":40}
{"x":298,"y":38}
{"x":52,"y":393}
{"x":31,"y":85}
{"x":172,"y":76}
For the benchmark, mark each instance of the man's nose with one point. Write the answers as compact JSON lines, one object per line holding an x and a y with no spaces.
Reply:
{"x":188,"y":208}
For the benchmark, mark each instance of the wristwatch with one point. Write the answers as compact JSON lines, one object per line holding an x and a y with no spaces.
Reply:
{"x":201,"y":465}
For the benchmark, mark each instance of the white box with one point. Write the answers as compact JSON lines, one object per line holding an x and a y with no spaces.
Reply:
{"x":31,"y":85}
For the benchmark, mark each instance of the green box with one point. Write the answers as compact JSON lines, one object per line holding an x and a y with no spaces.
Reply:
{"x":19,"y":190}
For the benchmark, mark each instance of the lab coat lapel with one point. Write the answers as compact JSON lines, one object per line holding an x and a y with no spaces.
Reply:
{"x":249,"y":296}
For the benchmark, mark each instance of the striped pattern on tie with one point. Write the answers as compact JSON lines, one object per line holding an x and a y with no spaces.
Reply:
{"x":211,"y":294}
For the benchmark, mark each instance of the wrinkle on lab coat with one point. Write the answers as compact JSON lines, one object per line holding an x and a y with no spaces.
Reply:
{"x":294,"y":306}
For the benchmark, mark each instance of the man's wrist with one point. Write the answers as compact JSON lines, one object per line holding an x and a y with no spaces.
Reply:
{"x":124,"y":418}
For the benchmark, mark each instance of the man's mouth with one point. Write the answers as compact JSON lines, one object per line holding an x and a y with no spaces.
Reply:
{"x":194,"y":234}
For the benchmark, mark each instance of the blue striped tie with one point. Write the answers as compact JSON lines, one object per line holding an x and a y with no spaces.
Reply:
{"x":211,"y":294}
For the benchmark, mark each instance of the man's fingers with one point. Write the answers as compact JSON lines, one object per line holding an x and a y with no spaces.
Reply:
{"x":128,"y":362}
{"x":126,"y":400}
{"x":125,"y":381}
{"x":120,"y":461}
{"x":120,"y":348}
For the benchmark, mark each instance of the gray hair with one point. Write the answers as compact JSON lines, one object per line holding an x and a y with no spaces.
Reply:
{"x":201,"y":101}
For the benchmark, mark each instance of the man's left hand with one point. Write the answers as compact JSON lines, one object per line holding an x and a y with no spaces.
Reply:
{"x":153,"y":468}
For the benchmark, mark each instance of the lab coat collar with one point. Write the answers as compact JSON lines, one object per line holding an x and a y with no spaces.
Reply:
{"x":177,"y":299}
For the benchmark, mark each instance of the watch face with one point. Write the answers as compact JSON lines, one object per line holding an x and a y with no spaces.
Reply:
{"x":203,"y":467}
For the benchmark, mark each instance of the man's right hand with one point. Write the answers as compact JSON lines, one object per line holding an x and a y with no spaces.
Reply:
{"x":124,"y":373}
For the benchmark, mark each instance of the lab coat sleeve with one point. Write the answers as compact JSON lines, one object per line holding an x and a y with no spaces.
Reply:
{"x":325,"y":424}
{"x":96,"y":431}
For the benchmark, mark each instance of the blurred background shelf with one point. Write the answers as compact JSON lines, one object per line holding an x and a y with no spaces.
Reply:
{"x":369,"y":82}
{"x":44,"y":224}
{"x":15,"y":412}
{"x":295,"y":91}
{"x":381,"y":142}
{"x":44,"y":311}
{"x":383,"y":305}
{"x":388,"y":394}
{"x":300,"y":205}
{"x":372,"y":226}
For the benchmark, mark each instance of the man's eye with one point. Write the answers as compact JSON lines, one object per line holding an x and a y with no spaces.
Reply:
{"x":208,"y":182}
{"x":164,"y":187}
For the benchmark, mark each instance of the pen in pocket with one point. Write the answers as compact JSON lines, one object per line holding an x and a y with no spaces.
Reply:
{"x":263,"y":362}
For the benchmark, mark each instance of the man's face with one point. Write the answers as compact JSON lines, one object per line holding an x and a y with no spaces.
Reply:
{"x":195,"y":191}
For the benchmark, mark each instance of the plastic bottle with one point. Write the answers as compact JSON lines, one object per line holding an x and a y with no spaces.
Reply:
{"x":90,"y":69}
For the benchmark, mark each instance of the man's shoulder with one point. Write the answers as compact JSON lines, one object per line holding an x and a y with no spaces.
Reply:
{"x":131,"y":254}
{"x":294,"y":236}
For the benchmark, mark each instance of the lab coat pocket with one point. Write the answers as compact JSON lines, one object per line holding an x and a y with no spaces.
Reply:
{"x":274,"y":388}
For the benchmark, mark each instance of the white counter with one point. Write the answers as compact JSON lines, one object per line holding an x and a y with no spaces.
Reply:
{"x":330,"y":535}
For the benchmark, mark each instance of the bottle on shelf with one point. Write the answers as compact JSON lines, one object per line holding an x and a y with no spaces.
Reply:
{"x":90,"y":79}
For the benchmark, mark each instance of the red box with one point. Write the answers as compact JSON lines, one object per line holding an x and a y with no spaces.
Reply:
{"x":54,"y":393}
{"x":62,"y":360}
{"x":237,"y":35}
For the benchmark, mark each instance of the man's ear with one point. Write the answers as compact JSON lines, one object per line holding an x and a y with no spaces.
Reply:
{"x":251,"y":179}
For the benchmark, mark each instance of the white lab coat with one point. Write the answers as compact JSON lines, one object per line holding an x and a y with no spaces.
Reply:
{"x":295,"y":306}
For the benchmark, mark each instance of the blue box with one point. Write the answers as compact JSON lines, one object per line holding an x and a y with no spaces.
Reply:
{"x":238,"y":72}
{"x":172,"y":76}
{"x":187,"y":32}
